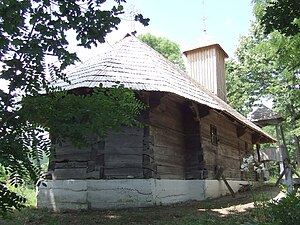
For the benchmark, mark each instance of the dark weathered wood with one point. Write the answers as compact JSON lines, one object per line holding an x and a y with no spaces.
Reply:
{"x":155,"y":98}
{"x":228,"y":186}
{"x":241,"y":131}
{"x":199,"y":111}
{"x":72,"y":164}
{"x":167,"y":129}
{"x":197,"y":174}
{"x":193,"y":141}
{"x":73,"y":157}
{"x":149,"y":166}
{"x":123,"y":155}
{"x":69,"y":173}
{"x":230,"y":149}
{"x":175,"y":143}
{"x":111,"y":173}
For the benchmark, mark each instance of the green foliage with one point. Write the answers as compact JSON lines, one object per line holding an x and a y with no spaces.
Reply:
{"x":77,"y":117}
{"x":169,"y":49}
{"x":284,"y":211}
{"x":30,"y":31}
{"x":250,"y":75}
{"x":9,"y":200}
{"x":281,"y":15}
{"x":11,"y":197}
{"x":267,"y":67}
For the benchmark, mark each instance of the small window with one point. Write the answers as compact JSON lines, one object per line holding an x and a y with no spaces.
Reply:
{"x":213,"y":135}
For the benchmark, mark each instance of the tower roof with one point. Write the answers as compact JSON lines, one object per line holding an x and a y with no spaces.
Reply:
{"x":205,"y":41}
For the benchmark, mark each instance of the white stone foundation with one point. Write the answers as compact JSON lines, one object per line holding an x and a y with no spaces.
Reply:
{"x":60,"y":195}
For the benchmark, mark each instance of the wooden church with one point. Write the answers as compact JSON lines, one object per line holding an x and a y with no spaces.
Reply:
{"x":189,"y":131}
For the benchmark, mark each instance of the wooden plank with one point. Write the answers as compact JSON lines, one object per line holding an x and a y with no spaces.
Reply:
{"x":70,"y":173}
{"x":171,"y":176}
{"x":127,"y":131}
{"x":118,"y":141}
{"x":228,"y":186}
{"x":67,"y":148}
{"x":171,"y":118}
{"x":197,"y":174}
{"x":171,"y":171}
{"x":116,"y":164}
{"x":70,"y":164}
{"x":111,"y":158}
{"x":161,"y":133}
{"x":219,"y":174}
{"x":111,"y":173}
{"x":170,"y":159}
{"x":93,"y":175}
{"x":73,"y":157}
{"x":124,"y":150}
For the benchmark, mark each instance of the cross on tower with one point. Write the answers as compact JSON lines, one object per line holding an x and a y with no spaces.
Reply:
{"x":204,"y":18}
{"x":132,"y":13}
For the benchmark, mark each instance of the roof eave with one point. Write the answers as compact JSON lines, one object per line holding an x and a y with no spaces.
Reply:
{"x":206,"y":47}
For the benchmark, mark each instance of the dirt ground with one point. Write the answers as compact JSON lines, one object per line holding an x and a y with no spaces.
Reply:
{"x":244,"y":200}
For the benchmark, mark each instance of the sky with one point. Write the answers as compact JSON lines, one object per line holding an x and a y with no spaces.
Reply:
{"x":182,"y":22}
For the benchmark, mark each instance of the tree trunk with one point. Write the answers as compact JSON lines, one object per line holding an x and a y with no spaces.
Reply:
{"x":297,"y":146}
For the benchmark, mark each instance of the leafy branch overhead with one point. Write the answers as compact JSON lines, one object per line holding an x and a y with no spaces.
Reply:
{"x":282,"y":16}
{"x":78,"y":117}
{"x":30,"y":32}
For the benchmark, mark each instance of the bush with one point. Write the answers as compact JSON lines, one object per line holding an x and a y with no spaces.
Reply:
{"x":9,"y":200}
{"x":285,"y":211}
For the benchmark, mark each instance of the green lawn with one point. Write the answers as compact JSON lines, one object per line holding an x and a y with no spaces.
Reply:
{"x":224,"y":210}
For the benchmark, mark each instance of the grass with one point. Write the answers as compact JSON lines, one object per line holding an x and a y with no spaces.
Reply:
{"x":221,"y":211}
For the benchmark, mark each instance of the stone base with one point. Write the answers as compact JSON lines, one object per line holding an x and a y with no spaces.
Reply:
{"x":60,"y":195}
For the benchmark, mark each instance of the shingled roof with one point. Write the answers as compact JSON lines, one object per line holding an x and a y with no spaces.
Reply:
{"x":139,"y":67}
{"x":265,"y":116}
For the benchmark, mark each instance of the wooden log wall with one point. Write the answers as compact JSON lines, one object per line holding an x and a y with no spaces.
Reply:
{"x":167,"y":130}
{"x":120,"y":155}
{"x":175,"y":143}
{"x":195,"y":166}
{"x":230,"y":148}
{"x":123,"y":156}
{"x":71,"y":162}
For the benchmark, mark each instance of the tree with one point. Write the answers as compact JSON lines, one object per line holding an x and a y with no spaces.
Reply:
{"x":282,"y":16}
{"x":169,"y":49}
{"x":249,"y":75}
{"x":31,"y":30}
{"x":279,"y":15}
{"x":281,"y":21}
{"x":267,"y":67}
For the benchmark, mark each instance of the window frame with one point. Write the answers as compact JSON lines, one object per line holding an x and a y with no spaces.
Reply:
{"x":214,"y":135}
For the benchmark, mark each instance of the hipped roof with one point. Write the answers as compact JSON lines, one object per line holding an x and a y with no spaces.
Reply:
{"x":205,"y":42}
{"x":265,"y":116}
{"x":137,"y":66}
